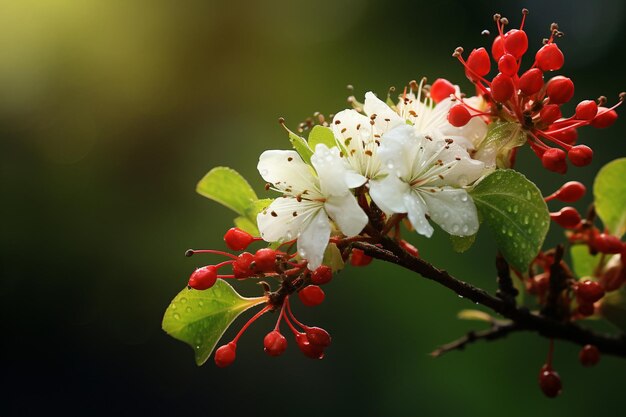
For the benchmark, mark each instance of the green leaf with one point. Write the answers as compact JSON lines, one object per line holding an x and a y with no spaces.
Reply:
{"x":613,"y":308}
{"x":477,"y":315}
{"x":200,"y":318}
{"x":513,"y":209}
{"x":301,"y":146}
{"x":227,"y":187}
{"x":333,"y":258}
{"x":609,"y":191}
{"x":583,"y":262}
{"x":246,"y":225}
{"x":323,"y":135}
{"x":501,"y":138}
{"x":462,"y":243}
{"x":248,"y":222}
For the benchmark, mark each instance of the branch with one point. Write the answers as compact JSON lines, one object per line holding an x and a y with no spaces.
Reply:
{"x":497,"y":331}
{"x":521,"y":316}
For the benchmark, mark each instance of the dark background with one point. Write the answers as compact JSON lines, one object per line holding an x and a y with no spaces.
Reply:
{"x":111,"y":111}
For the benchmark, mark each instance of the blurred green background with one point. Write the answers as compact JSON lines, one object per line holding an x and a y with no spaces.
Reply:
{"x":111,"y":111}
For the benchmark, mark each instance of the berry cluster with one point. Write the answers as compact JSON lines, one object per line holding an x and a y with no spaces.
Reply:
{"x":525,"y":97}
{"x":293,"y":276}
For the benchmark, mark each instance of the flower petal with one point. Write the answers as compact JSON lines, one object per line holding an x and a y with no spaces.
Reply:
{"x":453,"y":209}
{"x":464,"y":170}
{"x":397,"y":150}
{"x":313,"y":239}
{"x":346,"y":212}
{"x":351,"y":128}
{"x":278,"y":223}
{"x":332,"y":172}
{"x":287,"y":171}
{"x":416,"y":210}
{"x":386,"y":118}
{"x":388,"y":193}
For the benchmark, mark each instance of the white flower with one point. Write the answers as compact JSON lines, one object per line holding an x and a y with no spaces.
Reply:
{"x":428,"y":118}
{"x":310,"y":198}
{"x":424,"y":178}
{"x":358,"y":136}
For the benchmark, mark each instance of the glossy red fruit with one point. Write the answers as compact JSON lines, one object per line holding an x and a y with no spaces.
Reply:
{"x":516,"y":42}
{"x":586,"y":110}
{"x":550,"y":382}
{"x":359,"y":258}
{"x":585,"y":309}
{"x":568,"y":136}
{"x":531,"y":81}
{"x":549,"y":57}
{"x":560,"y":89}
{"x":604,"y":118}
{"x":507,"y":65}
{"x":550,"y":113}
{"x":589,"y":355}
{"x":570,"y":192}
{"x":274,"y":343}
{"x":318,"y":336}
{"x":502,"y":88}
{"x":311,"y":295}
{"x":553,"y":160}
{"x":479,"y":62}
{"x":225,"y":355}
{"x":441,"y":90}
{"x":458,"y":115}
{"x":237,"y":239}
{"x":322,"y":275}
{"x":310,"y":350}
{"x":497,"y":48}
{"x":567,"y":217}
{"x":265,"y":260}
{"x":243,"y":267}
{"x":606,"y":243}
{"x":580,"y":155}
{"x":203,"y":278}
{"x":588,"y":292}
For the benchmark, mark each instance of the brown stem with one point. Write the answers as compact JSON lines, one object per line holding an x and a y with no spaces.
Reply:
{"x":497,"y":331}
{"x":521,"y":316}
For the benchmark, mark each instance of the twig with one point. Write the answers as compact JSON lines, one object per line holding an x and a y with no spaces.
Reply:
{"x":521,"y":316}
{"x":506,"y":289}
{"x":497,"y":331}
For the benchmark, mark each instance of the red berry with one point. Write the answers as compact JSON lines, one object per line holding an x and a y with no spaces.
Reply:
{"x":585,"y":309}
{"x":507,"y":65}
{"x":604,"y":118}
{"x":322,"y":275}
{"x":531,"y":81}
{"x":516,"y":42}
{"x":311,"y":295}
{"x":580,"y":155}
{"x":409,"y":248}
{"x":550,"y":382}
{"x":568,"y":136}
{"x":606,"y":243}
{"x":265,"y":260}
{"x":553,"y":160}
{"x":225,"y":355}
{"x":502,"y":88}
{"x":586,"y":110}
{"x":203,"y":278}
{"x":243,"y":267}
{"x":588,"y":292}
{"x":274,"y":343}
{"x":359,"y":258}
{"x":549,"y":57}
{"x":479,"y":63}
{"x":560,"y":89}
{"x":318,"y":336}
{"x":441,"y":90}
{"x":310,"y":350}
{"x":458,"y":115}
{"x":567,"y":217}
{"x":570,"y":192}
{"x":550,"y":113}
{"x":589,"y":355}
{"x":237,"y":239}
{"x":497,"y":48}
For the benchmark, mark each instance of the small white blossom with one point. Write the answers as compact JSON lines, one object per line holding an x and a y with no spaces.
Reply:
{"x":425,"y":176}
{"x":311,"y":198}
